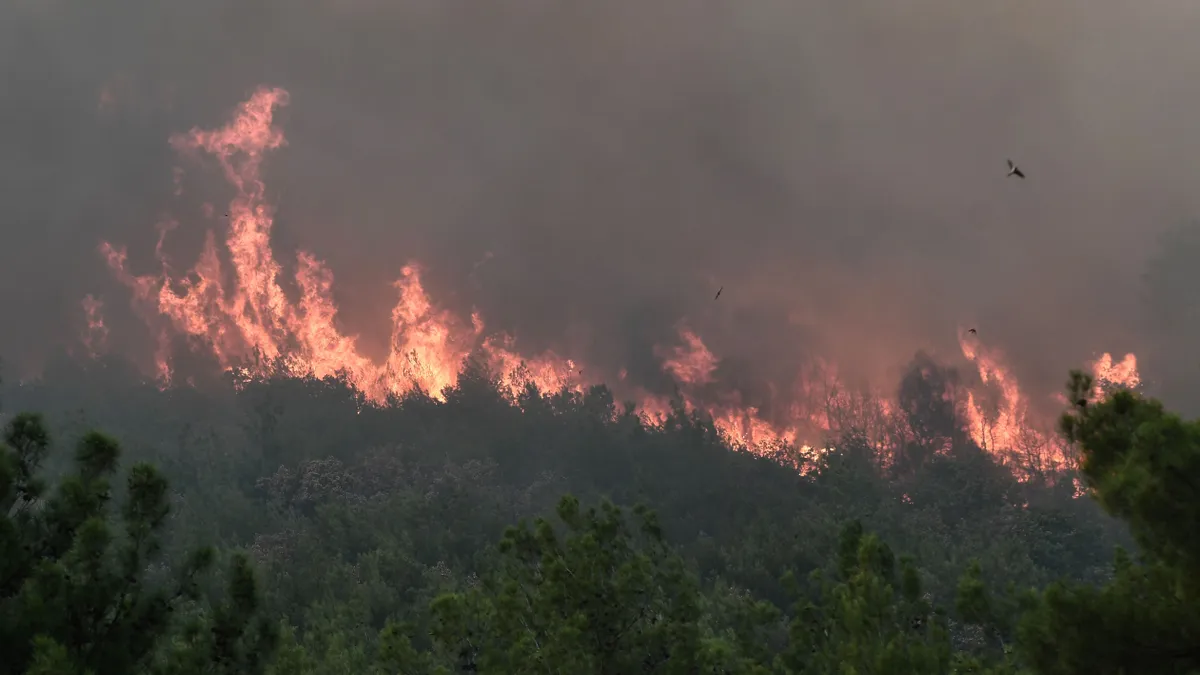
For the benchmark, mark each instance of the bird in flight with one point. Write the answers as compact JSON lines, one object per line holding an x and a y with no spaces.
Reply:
{"x":972,"y":331}
{"x":718,"y":293}
{"x":1014,"y":170}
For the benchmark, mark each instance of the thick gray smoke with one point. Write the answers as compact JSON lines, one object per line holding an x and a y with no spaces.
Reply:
{"x":836,"y":165}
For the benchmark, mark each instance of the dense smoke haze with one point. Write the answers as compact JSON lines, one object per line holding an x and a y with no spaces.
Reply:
{"x":587,"y":175}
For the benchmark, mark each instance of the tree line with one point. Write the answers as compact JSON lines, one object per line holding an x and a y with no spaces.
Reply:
{"x":283,"y":526}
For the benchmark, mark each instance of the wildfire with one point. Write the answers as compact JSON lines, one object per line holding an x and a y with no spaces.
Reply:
{"x":234,"y":302}
{"x":1005,"y":426}
{"x":691,"y":363}
{"x":1108,"y":374}
{"x":1002,"y":425}
{"x":253,"y":315}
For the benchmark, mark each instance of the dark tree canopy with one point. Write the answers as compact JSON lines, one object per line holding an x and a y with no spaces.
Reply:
{"x":1143,"y":465}
{"x":433,"y":536}
{"x":76,"y":595}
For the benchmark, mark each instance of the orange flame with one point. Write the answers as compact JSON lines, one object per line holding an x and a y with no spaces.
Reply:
{"x":1108,"y":375}
{"x":1003,"y":425}
{"x":690,"y":363}
{"x":255,"y":316}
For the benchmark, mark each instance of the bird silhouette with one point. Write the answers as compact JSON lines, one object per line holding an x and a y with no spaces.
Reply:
{"x":972,"y":331}
{"x":1014,"y":170}
{"x":718,"y":293}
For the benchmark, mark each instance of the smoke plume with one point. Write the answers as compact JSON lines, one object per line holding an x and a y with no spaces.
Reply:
{"x":586,"y":175}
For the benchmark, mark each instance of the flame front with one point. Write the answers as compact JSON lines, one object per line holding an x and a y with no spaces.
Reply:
{"x":233,"y":302}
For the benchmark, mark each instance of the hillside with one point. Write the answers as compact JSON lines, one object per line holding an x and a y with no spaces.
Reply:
{"x":359,"y":516}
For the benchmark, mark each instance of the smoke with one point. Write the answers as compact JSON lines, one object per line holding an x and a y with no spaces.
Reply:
{"x":588,"y":174}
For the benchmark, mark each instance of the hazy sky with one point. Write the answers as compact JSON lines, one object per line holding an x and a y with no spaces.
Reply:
{"x":836,"y":165}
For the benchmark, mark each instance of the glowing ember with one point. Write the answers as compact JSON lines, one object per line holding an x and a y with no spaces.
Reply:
{"x":96,"y":336}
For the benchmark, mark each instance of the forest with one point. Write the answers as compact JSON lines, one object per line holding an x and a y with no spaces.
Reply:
{"x":282,"y":524}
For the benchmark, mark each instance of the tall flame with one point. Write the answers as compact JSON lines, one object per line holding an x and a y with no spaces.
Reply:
{"x":1005,"y":425}
{"x":233,"y":302}
{"x":253,"y":315}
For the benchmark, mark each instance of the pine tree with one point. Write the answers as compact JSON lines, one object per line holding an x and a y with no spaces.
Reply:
{"x":75,"y":593}
{"x":1143,"y":466}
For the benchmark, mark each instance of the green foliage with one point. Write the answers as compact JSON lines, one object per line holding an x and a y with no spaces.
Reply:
{"x":601,"y":597}
{"x":75,"y":591}
{"x":868,"y":620}
{"x":1143,"y":465}
{"x":374,"y":530}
